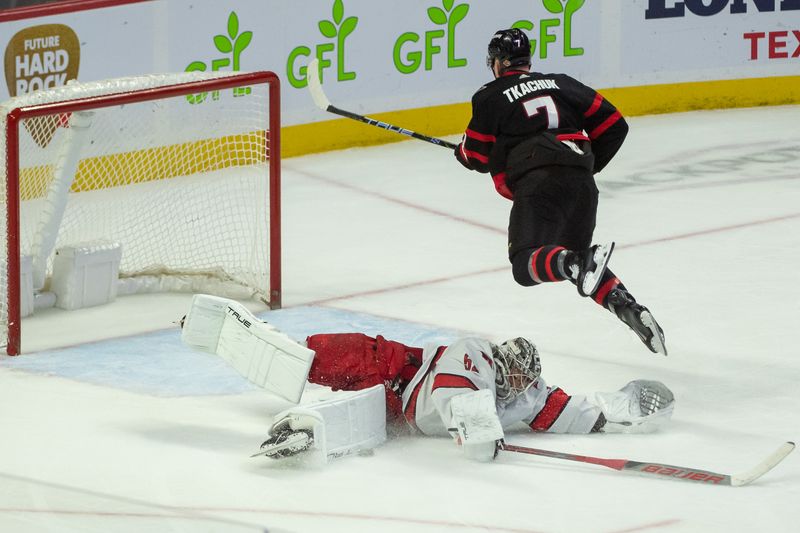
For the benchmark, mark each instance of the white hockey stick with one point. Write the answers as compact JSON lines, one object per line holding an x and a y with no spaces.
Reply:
{"x":664,"y":471}
{"x":323,"y":103}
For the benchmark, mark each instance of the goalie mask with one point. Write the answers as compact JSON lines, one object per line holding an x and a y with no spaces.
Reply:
{"x":517,"y":367}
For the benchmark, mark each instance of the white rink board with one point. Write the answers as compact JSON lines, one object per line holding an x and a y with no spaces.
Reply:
{"x":385,"y":56}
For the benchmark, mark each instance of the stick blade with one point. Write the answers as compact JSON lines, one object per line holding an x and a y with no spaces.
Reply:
{"x":314,"y":85}
{"x":764,"y":466}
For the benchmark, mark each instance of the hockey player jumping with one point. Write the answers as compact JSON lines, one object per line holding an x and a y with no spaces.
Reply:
{"x":542,"y":137}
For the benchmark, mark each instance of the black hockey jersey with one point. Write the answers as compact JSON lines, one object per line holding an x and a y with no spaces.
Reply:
{"x":520,"y":106}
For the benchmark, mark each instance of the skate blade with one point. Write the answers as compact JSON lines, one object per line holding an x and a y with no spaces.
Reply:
{"x":601,"y":258}
{"x":297,"y":443}
{"x":656,"y":341}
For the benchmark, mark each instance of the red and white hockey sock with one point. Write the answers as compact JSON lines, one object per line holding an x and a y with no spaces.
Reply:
{"x":609,"y":282}
{"x":549,"y":263}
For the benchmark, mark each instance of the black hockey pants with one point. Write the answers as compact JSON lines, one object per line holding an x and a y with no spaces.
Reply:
{"x":554,"y":206}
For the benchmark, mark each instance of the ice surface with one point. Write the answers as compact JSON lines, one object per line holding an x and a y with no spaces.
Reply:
{"x":110,"y":424}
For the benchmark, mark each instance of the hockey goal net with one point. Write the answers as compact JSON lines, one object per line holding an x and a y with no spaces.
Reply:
{"x":181,"y":172}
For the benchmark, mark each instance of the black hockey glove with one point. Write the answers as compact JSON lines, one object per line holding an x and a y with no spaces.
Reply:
{"x":460,"y":156}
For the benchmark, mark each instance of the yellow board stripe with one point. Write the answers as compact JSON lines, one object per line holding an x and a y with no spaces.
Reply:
{"x":215,"y":154}
{"x":164,"y":162}
{"x":346,"y":133}
{"x":677,"y":97}
{"x":631,"y":101}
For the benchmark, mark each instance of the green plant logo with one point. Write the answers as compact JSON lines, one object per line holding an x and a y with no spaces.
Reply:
{"x":338,"y":28}
{"x":234,"y":44}
{"x":556,"y":7}
{"x":448,"y":16}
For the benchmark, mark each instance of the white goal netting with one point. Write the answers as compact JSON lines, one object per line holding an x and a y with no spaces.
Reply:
{"x":181,"y":183}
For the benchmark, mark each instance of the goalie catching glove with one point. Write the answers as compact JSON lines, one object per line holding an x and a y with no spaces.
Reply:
{"x":641,"y":406}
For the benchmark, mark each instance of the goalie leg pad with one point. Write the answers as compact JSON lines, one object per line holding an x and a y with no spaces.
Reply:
{"x":350,"y":423}
{"x":354,"y":421}
{"x":263,"y":355}
{"x":201,"y":326}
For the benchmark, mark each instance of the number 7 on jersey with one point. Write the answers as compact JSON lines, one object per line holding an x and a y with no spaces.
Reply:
{"x":534,"y":106}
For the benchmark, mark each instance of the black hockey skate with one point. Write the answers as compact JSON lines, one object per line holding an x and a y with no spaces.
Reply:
{"x":639,"y":319}
{"x":591,"y":266}
{"x":286,"y":443}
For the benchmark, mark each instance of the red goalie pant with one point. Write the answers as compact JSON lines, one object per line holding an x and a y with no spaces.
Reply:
{"x":354,"y":361}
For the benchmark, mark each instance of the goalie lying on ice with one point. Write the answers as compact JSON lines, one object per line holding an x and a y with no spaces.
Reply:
{"x":471,"y":389}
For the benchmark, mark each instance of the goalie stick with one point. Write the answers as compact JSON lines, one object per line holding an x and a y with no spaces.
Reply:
{"x":668,"y":471}
{"x":323,"y":103}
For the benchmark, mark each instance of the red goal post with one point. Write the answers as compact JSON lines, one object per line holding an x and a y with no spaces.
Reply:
{"x":179,"y":171}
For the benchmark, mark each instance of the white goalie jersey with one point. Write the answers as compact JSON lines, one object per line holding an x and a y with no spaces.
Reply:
{"x":467,"y":366}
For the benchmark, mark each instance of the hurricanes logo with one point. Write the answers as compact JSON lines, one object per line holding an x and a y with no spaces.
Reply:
{"x":41,"y":57}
